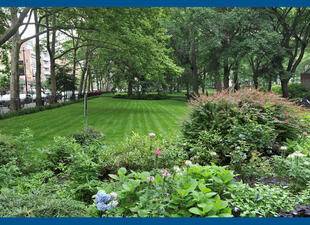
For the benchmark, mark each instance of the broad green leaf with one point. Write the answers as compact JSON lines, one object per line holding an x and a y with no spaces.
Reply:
{"x":196,"y":211}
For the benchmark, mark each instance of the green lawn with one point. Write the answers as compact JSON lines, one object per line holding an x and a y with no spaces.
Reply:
{"x":116,"y":118}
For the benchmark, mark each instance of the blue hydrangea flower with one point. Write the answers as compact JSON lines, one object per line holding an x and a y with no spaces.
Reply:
{"x":112,"y":204}
{"x":102,"y":197}
{"x":102,"y":207}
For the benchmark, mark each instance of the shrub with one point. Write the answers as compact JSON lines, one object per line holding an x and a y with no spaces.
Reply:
{"x":189,"y":191}
{"x":137,"y":153}
{"x":38,"y":203}
{"x":294,"y":169}
{"x":295,"y":91}
{"x":233,"y":125}
{"x":262,"y":200}
{"x":38,"y":109}
{"x":7,"y":149}
{"x":138,"y":96}
{"x":76,"y":163}
{"x":90,"y":137}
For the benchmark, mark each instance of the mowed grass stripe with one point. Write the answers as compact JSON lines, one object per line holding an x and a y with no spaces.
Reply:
{"x":116,"y":118}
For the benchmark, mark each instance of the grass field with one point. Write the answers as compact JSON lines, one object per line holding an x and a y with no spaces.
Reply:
{"x":116,"y":118}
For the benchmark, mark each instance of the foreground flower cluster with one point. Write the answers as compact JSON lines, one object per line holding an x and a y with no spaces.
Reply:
{"x":103,"y":199}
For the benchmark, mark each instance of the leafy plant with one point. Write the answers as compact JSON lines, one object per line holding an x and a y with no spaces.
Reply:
{"x":261,"y":200}
{"x":190,"y":191}
{"x":233,"y":125}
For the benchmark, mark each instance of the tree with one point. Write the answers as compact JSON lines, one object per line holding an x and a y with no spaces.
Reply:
{"x":293,"y":24}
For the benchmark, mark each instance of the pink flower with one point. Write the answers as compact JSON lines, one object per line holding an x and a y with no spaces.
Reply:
{"x":151,"y":135}
{"x":304,"y":133}
{"x":150,"y":178}
{"x":165,"y":173}
{"x":157,"y":152}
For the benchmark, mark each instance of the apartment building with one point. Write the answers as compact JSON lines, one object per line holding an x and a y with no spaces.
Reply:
{"x":27,"y":57}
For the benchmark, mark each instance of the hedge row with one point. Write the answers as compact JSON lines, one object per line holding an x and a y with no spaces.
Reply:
{"x":40,"y":108}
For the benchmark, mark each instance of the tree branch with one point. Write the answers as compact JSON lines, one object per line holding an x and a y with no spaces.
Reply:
{"x":14,"y":27}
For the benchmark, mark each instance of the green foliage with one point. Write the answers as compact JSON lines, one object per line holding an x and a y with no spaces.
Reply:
{"x":294,"y":169}
{"x":262,"y":200}
{"x":148,"y":96}
{"x":137,"y":153}
{"x":295,"y":91}
{"x":74,"y":162}
{"x":234,"y":125}
{"x":38,"y":203}
{"x":191,"y":191}
{"x":39,"y":108}
{"x":91,"y":136}
{"x":7,"y":149}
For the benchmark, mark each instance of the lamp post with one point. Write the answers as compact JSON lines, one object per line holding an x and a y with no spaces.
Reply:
{"x":25,"y":71}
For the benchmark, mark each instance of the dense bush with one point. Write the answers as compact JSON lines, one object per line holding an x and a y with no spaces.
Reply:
{"x":137,"y":153}
{"x":7,"y":149}
{"x":138,"y":96}
{"x":295,"y":91}
{"x":78,"y":164}
{"x":90,"y":137}
{"x":186,"y":192}
{"x":38,"y":203}
{"x":37,"y":109}
{"x":228,"y":127}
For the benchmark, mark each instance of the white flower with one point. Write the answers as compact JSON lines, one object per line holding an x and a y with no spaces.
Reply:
{"x":213,"y":153}
{"x":177,"y":169}
{"x":296,"y":154}
{"x":283,"y":148}
{"x":113,"y":195}
{"x":188,"y":162}
{"x":307,"y":163}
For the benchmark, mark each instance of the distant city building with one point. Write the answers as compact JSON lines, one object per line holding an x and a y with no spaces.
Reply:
{"x":28,"y":57}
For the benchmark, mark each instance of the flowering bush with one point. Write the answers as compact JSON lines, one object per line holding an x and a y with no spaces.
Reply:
{"x":189,"y":191}
{"x":142,"y":153}
{"x":235,"y":124}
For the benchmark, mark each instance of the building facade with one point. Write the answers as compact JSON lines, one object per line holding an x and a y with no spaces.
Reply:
{"x":27,"y":57}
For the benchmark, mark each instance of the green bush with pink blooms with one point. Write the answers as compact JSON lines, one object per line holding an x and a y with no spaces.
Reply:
{"x":187,"y":191}
{"x":234,"y":125}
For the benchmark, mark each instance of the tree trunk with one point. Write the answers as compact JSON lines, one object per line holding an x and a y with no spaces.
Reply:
{"x":89,"y":80}
{"x":75,"y":44}
{"x":129,"y":87}
{"x":255,"y":79}
{"x":269,"y":83}
{"x":14,"y":82}
{"x":236,"y":80}
{"x":194,"y":66}
{"x":38,"y":62}
{"x":82,"y":81}
{"x":284,"y":86}
{"x":218,"y":84}
{"x":226,"y":74}
{"x":51,"y":51}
